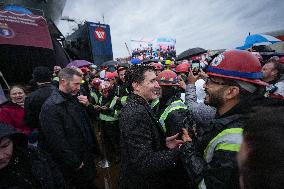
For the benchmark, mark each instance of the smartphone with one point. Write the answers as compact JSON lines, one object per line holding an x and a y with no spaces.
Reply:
{"x":195,"y":67}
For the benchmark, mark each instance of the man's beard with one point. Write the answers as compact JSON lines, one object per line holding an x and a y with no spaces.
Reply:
{"x":215,"y":99}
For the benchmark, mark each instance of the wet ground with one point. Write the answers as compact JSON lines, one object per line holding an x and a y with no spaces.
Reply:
{"x":108,"y":177}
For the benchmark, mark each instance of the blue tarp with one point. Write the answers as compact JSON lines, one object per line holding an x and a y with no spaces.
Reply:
{"x":258,"y":39}
{"x":15,"y":8}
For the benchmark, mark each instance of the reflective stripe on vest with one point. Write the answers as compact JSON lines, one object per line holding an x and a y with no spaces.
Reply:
{"x":100,"y":100}
{"x":55,"y":79}
{"x":173,"y":106}
{"x":95,"y":96}
{"x":108,"y":117}
{"x":202,"y":185}
{"x":154,"y":102}
{"x":123,"y":100}
{"x":228,"y":140}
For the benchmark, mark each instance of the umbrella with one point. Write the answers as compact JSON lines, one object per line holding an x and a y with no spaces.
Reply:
{"x":126,"y":65}
{"x":135,"y":61}
{"x":190,"y":52}
{"x":78,"y":63}
{"x":110,"y":63}
{"x":146,"y":61}
{"x":258,"y":39}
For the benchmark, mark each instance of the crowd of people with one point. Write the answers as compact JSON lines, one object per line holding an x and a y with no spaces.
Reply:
{"x":164,"y":53}
{"x":165,"y":125}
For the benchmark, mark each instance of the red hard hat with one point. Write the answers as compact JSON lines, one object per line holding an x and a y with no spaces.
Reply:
{"x":257,"y":55}
{"x":168,"y":78}
{"x":237,"y":65}
{"x":157,"y":66}
{"x":182,"y":68}
{"x":96,"y":81}
{"x":110,"y":75}
{"x":281,"y":60}
{"x":84,"y":69}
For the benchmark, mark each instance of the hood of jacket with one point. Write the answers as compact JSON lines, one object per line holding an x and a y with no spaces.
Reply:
{"x":8,"y":131}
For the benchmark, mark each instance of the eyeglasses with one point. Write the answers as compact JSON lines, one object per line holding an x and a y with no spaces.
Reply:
{"x":210,"y":80}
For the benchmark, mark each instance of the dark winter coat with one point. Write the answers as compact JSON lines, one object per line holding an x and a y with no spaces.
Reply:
{"x":176,"y":119}
{"x":34,"y":102}
{"x":13,"y":114}
{"x":28,"y":168}
{"x":68,"y":136}
{"x":222,"y":170}
{"x":145,"y":160}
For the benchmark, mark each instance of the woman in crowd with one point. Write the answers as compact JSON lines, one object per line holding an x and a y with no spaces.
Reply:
{"x":12,"y":111}
{"x":23,"y":168}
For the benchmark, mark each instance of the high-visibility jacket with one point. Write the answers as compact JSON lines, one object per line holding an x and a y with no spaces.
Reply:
{"x":106,"y":117}
{"x":56,"y":79}
{"x":123,"y":100}
{"x":175,"y":105}
{"x":228,"y":140}
{"x":154,"y":102}
{"x":95,"y":96}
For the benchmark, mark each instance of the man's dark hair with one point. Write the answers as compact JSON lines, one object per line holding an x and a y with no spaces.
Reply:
{"x":42,"y":74}
{"x":136,"y":74}
{"x":263,"y":134}
{"x":68,"y":73}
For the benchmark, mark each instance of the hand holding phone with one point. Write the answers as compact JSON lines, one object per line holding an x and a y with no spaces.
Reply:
{"x":195,"y":67}
{"x":192,"y":78}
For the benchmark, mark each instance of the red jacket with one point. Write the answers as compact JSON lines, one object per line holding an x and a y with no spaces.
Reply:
{"x":13,"y":115}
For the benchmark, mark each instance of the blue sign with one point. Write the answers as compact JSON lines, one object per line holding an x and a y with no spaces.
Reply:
{"x":101,"y":42}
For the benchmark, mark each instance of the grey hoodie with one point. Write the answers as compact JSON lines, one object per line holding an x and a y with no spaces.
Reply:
{"x":201,"y":113}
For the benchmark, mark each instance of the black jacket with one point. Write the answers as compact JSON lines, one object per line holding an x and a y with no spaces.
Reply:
{"x":222,"y":171}
{"x":68,"y":135}
{"x":28,"y":168}
{"x":34,"y":102}
{"x":145,"y":160}
{"x":176,"y":119}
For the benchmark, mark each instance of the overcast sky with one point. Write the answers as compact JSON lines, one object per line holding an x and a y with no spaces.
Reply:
{"x":210,"y":24}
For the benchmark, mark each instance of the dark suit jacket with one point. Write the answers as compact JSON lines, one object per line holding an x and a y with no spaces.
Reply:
{"x":68,"y":135}
{"x":145,"y":160}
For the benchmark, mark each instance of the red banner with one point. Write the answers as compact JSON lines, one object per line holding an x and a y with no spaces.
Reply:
{"x":23,"y":29}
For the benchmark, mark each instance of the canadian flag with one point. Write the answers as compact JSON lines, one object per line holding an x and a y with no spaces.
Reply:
{"x":100,"y":34}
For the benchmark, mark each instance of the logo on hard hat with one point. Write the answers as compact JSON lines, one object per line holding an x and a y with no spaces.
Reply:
{"x":217,"y":60}
{"x":100,"y":34}
{"x":5,"y":31}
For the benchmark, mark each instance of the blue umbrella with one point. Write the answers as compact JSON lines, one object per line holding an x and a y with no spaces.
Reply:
{"x":135,"y":61}
{"x":15,"y":8}
{"x":258,"y":39}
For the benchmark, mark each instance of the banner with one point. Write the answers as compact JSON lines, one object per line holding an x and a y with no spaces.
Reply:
{"x":157,"y":48}
{"x":165,"y":43}
{"x":100,"y":41}
{"x":154,"y":43}
{"x":24,"y":29}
